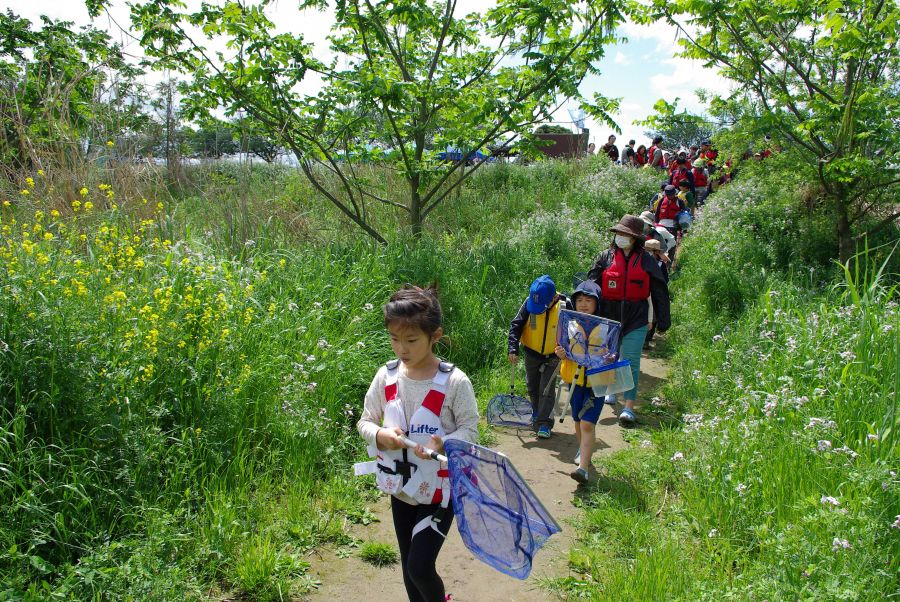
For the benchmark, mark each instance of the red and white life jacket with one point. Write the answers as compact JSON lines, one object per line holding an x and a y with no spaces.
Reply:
{"x":626,"y":278}
{"x":426,"y":481}
{"x":699,"y":177}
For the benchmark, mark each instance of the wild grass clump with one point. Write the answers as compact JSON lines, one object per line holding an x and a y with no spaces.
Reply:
{"x":774,"y":472}
{"x":379,"y":554}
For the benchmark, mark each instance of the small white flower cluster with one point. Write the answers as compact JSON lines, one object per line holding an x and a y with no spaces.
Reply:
{"x":837,"y":544}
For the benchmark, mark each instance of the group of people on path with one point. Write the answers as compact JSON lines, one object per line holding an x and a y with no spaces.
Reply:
{"x":416,"y":402}
{"x":628,"y":283}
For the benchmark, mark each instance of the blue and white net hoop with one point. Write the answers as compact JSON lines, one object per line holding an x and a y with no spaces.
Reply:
{"x":500,"y":519}
{"x":589,"y":341}
{"x":511,"y":410}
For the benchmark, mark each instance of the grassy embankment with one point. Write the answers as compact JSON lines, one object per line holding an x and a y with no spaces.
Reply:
{"x":773,"y":474}
{"x":180,"y":373}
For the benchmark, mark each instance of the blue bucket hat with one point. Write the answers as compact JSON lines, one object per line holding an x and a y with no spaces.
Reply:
{"x":591,"y":289}
{"x":541,"y":294}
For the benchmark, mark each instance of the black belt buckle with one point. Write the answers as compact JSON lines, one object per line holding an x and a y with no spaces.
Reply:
{"x":404,"y":469}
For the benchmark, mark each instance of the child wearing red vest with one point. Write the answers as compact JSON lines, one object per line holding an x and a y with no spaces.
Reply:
{"x":418,"y":397}
{"x":701,"y":182}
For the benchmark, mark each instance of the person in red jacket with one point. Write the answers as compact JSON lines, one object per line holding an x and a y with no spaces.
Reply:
{"x":630,"y":279}
{"x":640,"y":157}
{"x":656,"y":156}
{"x":667,"y":210}
{"x":701,"y":182}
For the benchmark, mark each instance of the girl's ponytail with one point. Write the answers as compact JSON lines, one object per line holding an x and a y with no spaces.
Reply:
{"x":414,"y":307}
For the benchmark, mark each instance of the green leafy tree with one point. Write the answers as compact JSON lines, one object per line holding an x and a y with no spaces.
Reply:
{"x":214,"y":141}
{"x":678,"y":129}
{"x":418,"y":76}
{"x":254,"y":139}
{"x":62,"y":92}
{"x":820,"y":74}
{"x":552,"y":129}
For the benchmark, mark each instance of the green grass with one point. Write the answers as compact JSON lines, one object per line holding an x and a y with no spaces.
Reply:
{"x":179,"y":386}
{"x":379,"y":554}
{"x":778,"y":479}
{"x":180,"y":379}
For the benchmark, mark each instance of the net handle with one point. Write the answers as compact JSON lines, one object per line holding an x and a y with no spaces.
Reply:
{"x":565,"y":409}
{"x":512,"y":379}
{"x":553,"y":376}
{"x":434,"y":455}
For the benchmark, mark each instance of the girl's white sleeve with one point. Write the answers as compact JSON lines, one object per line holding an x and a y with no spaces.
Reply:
{"x":373,"y":409}
{"x":465,"y":409}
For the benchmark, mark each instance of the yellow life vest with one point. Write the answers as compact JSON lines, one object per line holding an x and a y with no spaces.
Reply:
{"x":539,"y":333}
{"x":596,"y":346}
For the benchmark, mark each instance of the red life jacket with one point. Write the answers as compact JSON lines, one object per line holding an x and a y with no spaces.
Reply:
{"x":626,"y":278}
{"x":669,"y":208}
{"x":650,"y":154}
{"x":699,"y":178}
{"x":679,"y":174}
{"x":709,"y":155}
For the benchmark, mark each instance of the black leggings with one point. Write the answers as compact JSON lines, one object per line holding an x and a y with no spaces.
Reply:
{"x":418,"y":555}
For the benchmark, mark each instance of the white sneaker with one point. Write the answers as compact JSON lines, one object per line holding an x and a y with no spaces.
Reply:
{"x":578,"y":457}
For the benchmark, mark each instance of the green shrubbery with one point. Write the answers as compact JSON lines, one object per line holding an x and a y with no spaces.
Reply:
{"x":179,"y":383}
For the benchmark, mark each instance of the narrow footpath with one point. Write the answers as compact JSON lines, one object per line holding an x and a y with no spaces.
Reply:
{"x":545,"y":464}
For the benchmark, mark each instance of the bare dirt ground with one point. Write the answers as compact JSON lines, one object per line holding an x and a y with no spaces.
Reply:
{"x":545,"y":464}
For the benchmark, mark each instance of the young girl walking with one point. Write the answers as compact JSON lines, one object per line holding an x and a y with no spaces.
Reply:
{"x":419,"y":397}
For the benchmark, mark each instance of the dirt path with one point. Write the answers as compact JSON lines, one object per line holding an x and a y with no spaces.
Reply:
{"x":545,"y":464}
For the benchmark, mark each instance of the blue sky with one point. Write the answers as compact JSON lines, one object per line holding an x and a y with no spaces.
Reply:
{"x":640,"y":72}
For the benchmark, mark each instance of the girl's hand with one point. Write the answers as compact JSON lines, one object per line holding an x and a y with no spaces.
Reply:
{"x":437,"y":444}
{"x":560,"y":352}
{"x":390,"y":438}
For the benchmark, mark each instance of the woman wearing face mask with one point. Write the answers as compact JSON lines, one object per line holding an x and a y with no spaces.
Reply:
{"x":630,"y":279}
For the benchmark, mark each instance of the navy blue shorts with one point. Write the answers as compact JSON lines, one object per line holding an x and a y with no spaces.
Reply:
{"x":584,"y":405}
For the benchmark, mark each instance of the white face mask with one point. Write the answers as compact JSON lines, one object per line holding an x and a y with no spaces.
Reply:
{"x":623,"y":242}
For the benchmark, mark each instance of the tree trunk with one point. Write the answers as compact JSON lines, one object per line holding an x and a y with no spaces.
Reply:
{"x":845,"y":236}
{"x":415,"y":207}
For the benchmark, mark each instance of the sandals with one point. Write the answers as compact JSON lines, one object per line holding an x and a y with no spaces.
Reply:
{"x":626,"y":416}
{"x":580,"y":475}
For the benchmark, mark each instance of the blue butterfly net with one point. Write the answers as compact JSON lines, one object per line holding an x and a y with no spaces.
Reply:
{"x":589,"y":341}
{"x":500,"y":519}
{"x":507,"y":409}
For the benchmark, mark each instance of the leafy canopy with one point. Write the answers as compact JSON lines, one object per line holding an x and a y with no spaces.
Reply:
{"x":410,"y":78}
{"x":819,"y":74}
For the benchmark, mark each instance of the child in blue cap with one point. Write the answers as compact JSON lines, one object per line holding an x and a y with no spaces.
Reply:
{"x":535,"y":328}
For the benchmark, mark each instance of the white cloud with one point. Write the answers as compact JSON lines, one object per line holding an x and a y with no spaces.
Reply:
{"x":622,"y":59}
{"x":686,"y":77}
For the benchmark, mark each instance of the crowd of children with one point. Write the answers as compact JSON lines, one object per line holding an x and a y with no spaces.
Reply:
{"x":416,"y":402}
